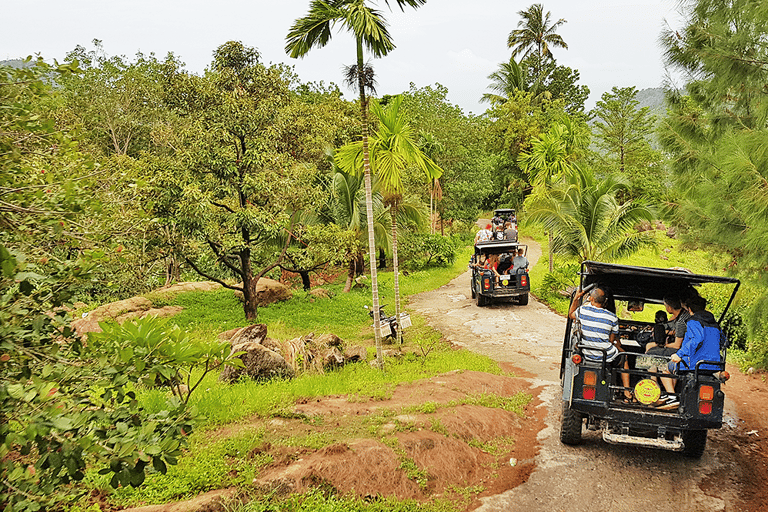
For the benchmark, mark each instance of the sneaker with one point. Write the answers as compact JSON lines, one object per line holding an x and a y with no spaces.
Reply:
{"x":668,"y":402}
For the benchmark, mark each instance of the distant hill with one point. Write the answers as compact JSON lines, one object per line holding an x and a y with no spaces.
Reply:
{"x":15,"y":63}
{"x":653,"y":99}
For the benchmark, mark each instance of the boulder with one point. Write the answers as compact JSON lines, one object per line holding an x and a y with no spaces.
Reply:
{"x":119,"y":311}
{"x":197,"y":286}
{"x":355,"y":354}
{"x":331,"y":357}
{"x":268,"y":291}
{"x":329,"y":339}
{"x":259,"y":363}
{"x":262,"y":358}
{"x":320,"y":293}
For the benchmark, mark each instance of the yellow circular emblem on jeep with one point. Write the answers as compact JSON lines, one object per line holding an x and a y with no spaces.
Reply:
{"x":505,"y":282}
{"x":647,"y":391}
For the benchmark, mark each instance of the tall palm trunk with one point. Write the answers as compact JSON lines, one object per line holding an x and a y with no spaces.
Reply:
{"x":369,"y":204}
{"x":551,"y":255}
{"x":393,"y":212}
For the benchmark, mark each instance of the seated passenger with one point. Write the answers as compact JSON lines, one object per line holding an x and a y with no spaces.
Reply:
{"x":600,"y":331}
{"x":520,"y":263}
{"x":492,"y":264}
{"x":701,"y":343}
{"x":505,"y":262}
{"x":510,"y":233}
{"x":484,"y":234}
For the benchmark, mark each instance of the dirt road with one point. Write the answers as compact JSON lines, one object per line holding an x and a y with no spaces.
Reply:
{"x":594,"y":476}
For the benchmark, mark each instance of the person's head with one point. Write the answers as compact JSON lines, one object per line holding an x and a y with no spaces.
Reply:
{"x":507,"y":224}
{"x":695,"y":304}
{"x":597,"y":297}
{"x":661,"y":317}
{"x":672,"y":303}
{"x":519,"y":252}
{"x":487,"y":226}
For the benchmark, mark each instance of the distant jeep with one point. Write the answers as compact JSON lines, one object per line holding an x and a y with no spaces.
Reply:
{"x":593,"y":393}
{"x":512,"y":284}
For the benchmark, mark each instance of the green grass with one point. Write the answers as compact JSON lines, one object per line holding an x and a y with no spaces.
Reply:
{"x":321,"y":500}
{"x":222,"y":403}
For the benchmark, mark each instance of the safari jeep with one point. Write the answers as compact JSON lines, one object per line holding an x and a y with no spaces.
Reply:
{"x":593,"y":394}
{"x":510,"y":285}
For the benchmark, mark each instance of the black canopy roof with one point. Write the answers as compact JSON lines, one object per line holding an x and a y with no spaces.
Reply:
{"x":646,"y":283}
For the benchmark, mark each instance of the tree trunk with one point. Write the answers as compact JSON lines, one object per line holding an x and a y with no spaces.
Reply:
{"x":551,"y":256}
{"x":382,"y":258}
{"x":305,"y":280}
{"x":393,"y":211}
{"x":369,"y":205}
{"x":250,"y":304}
{"x":350,"y":274}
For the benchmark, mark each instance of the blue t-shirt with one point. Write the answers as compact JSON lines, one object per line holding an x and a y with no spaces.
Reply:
{"x":597,"y":324}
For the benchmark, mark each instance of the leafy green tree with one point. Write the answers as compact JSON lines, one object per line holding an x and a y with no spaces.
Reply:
{"x":227,"y":181}
{"x":536,"y":35}
{"x":587,"y":220}
{"x":715,"y":134}
{"x":393,"y":148}
{"x":45,"y":179}
{"x":457,"y":143}
{"x":556,"y":82}
{"x":623,"y":133}
{"x":370,"y":31}
{"x":115,"y":101}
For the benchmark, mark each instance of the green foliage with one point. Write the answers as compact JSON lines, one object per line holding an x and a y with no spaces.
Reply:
{"x":63,"y":403}
{"x":320,"y":500}
{"x":562,"y":277}
{"x":420,"y":251}
{"x":716,"y":135}
{"x":157,"y":353}
{"x":623,"y":134}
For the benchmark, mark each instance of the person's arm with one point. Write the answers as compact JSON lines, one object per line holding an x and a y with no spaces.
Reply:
{"x":575,"y":304}
{"x":616,"y":341}
{"x":695,"y":332}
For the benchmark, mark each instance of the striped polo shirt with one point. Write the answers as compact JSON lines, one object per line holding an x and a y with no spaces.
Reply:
{"x":597,"y":324}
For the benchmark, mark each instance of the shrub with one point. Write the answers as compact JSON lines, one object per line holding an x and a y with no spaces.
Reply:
{"x":419,"y":251}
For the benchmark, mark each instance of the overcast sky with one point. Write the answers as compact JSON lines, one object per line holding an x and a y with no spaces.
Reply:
{"x":456,"y":43}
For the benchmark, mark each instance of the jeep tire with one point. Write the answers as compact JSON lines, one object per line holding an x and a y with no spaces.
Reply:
{"x":694,"y":442}
{"x":523,"y":300}
{"x":570,"y":426}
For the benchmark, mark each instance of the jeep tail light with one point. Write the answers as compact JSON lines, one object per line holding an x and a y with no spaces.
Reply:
{"x":724,"y":376}
{"x":589,"y":393}
{"x":523,"y":280}
{"x":706,"y":393}
{"x":486,"y":284}
{"x":576,"y":358}
{"x":590,"y":378}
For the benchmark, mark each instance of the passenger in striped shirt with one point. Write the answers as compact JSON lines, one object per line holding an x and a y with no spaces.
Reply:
{"x":599,"y":330}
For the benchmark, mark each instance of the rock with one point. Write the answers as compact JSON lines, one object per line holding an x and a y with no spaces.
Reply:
{"x":320,"y":293}
{"x":644,"y":226}
{"x":331,"y":357}
{"x":262,"y":359}
{"x":119,"y":311}
{"x":329,"y":339}
{"x":227,"y":335}
{"x":259,"y":363}
{"x":392,"y":353}
{"x":355,"y":354}
{"x":268,"y":291}
{"x":197,"y":286}
{"x":672,"y":232}
{"x":255,"y":333}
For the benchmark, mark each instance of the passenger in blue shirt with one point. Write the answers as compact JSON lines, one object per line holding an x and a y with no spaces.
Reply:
{"x":701,"y":343}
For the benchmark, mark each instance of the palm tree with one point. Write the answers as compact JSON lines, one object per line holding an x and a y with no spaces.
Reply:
{"x":393,"y":148}
{"x":370,"y":30}
{"x":552,"y":159}
{"x":588,"y":221}
{"x":535,"y":35}
{"x":348,"y":210}
{"x":504,"y":82}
